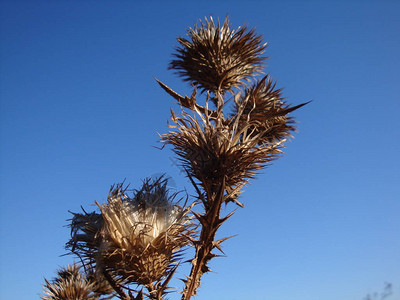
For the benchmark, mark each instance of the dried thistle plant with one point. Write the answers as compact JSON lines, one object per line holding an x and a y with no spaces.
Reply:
{"x":134,"y":240}
{"x":221,"y":148}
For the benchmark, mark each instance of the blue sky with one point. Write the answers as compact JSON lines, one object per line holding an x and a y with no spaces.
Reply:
{"x":80,"y":110}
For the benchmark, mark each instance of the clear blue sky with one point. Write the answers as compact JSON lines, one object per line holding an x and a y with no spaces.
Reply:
{"x":80,"y":110}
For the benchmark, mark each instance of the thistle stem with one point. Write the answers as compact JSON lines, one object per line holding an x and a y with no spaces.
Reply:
{"x":210,"y":222}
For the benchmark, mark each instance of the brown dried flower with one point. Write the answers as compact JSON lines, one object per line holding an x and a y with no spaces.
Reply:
{"x":70,"y":284}
{"x":218,"y":58}
{"x":142,"y":236}
{"x":215,"y":152}
{"x":134,"y":240}
{"x":263,"y":112}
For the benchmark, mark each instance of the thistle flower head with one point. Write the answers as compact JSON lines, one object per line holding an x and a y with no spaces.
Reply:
{"x":218,"y":58}
{"x":216,"y":152}
{"x":263,"y":113}
{"x":134,"y":239}
{"x":143,"y":235}
{"x":70,"y":284}
{"x":139,"y":220}
{"x":215,"y":149}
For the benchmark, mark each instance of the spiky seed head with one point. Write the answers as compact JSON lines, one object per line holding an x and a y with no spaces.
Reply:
{"x":218,"y":58}
{"x":135,"y":239}
{"x":234,"y":149}
{"x":142,"y":236}
{"x":70,"y":284}
{"x":213,"y":152}
{"x":263,"y":112}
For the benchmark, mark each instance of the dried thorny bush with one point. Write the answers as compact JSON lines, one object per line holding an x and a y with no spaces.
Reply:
{"x":224,"y":146}
{"x":214,"y":145}
{"x":222,"y":141}
{"x":231,"y":149}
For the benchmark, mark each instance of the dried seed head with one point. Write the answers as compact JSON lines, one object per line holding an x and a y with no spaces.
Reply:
{"x":70,"y":284}
{"x":263,"y":112}
{"x":143,"y":235}
{"x":136,"y":240}
{"x":213,"y":149}
{"x":214,"y":152}
{"x":218,"y":58}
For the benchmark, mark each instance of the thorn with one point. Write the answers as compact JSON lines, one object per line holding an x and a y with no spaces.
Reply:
{"x":170,"y":91}
{"x":200,"y":218}
{"x":213,"y":255}
{"x":205,"y":269}
{"x":218,"y":246}
{"x":297,"y":106}
{"x":234,"y":199}
{"x":224,"y":239}
{"x":166,"y":281}
{"x":222,"y":220}
{"x":139,"y":296}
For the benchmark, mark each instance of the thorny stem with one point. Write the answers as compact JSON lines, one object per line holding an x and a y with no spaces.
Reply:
{"x":210,"y":223}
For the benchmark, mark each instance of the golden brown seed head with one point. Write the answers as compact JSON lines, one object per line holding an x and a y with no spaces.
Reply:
{"x":218,"y":58}
{"x":141,"y":236}
{"x":70,"y":284}
{"x":135,"y":240}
